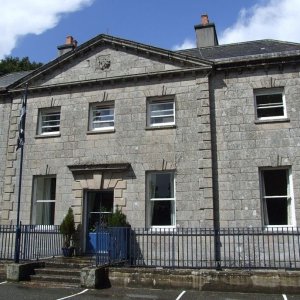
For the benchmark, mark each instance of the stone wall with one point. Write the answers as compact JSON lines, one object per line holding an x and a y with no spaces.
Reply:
{"x":242,"y":145}
{"x":6,"y":154}
{"x":184,"y":148}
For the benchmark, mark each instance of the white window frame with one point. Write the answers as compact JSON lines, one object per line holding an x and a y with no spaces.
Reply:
{"x":101,"y":107}
{"x":149,"y":200}
{"x":290,"y":198}
{"x":270,"y":91}
{"x":151,"y":103}
{"x":43,"y":124}
{"x":36,"y":201}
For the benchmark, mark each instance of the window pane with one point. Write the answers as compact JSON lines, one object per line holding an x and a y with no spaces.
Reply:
{"x":270,"y":112}
{"x":266,"y":100}
{"x":269,"y":105}
{"x":277,"y":211}
{"x":45,"y":213}
{"x":50,"y":122}
{"x":45,"y":189}
{"x":161,"y":185}
{"x":162,"y":107}
{"x":275,"y":182}
{"x":162,"y":213}
{"x":161,"y":120}
{"x":161,"y":113}
{"x":102,"y":117}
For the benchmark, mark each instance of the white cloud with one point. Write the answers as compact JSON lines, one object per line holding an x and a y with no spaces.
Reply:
{"x":22,"y":17}
{"x":272,"y":19}
{"x":187,"y":44}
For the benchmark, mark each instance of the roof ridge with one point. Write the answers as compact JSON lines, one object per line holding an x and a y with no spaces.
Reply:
{"x":242,"y":43}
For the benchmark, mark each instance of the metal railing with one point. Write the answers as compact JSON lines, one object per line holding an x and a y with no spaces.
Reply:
{"x":172,"y":248}
{"x":245,"y":248}
{"x":111,"y":245}
{"x":36,"y":241}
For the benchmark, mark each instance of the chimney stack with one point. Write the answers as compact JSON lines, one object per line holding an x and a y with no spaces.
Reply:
{"x":70,"y":45}
{"x":206,"y":34}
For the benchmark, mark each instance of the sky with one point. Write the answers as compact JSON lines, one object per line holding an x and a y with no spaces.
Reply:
{"x":35,"y":28}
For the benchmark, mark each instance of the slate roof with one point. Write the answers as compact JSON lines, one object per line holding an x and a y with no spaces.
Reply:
{"x":244,"y":51}
{"x":8,"y":79}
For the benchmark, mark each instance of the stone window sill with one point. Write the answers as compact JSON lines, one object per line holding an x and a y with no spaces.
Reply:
{"x":283,"y":120}
{"x":160,"y":127}
{"x":101,"y":131}
{"x":46,"y":136}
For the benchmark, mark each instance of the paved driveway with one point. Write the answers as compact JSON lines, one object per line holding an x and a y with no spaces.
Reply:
{"x":12,"y":291}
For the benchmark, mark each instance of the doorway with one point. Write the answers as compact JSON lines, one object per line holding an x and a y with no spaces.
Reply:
{"x":99,"y":205}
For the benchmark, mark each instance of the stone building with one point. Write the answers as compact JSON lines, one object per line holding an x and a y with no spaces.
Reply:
{"x":202,"y":137}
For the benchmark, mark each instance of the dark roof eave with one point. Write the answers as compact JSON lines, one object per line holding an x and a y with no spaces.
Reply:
{"x":267,"y":56}
{"x":254,"y":61}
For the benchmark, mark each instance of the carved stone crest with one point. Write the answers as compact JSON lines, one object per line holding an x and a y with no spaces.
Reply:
{"x":103,"y":62}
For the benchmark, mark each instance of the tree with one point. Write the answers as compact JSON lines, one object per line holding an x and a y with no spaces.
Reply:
{"x":14,"y":64}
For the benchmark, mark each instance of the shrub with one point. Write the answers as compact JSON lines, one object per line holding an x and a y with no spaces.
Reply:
{"x":67,"y":227}
{"x":117,"y":219}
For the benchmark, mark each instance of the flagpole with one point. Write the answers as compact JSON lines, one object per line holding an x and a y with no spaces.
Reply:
{"x":21,"y":141}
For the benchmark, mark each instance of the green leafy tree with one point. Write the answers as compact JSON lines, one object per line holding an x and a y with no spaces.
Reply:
{"x":14,"y":64}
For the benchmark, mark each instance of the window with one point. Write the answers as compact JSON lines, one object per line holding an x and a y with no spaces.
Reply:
{"x":277,"y":197}
{"x":49,"y":121}
{"x":44,"y":188}
{"x":161,"y":199}
{"x":270,"y":104}
{"x":102,"y":117}
{"x":161,"y":112}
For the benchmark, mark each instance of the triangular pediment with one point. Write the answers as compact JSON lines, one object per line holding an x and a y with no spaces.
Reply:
{"x":108,"y":57}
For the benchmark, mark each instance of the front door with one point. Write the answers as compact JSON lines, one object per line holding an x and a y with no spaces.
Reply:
{"x":99,"y":204}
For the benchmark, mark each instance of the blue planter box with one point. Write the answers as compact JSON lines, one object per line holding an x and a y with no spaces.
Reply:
{"x":109,"y":243}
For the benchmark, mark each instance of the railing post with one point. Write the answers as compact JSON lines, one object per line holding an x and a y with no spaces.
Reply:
{"x":17,"y":243}
{"x":217,"y":249}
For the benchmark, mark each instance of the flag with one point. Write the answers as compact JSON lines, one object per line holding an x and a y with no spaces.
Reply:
{"x":21,"y":137}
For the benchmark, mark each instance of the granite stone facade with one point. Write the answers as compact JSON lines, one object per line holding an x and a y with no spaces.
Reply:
{"x":183,"y":149}
{"x":245,"y":145}
{"x":217,"y":148}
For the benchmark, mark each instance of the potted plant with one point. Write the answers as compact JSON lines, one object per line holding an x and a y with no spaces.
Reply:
{"x":117,"y":219}
{"x":67,"y":228}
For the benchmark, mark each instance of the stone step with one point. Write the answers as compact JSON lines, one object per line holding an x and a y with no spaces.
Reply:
{"x":49,"y":284}
{"x":69,"y":263}
{"x":2,"y":271}
{"x":70,"y":266}
{"x":56,"y":279}
{"x":58,"y":272}
{"x":61,"y":271}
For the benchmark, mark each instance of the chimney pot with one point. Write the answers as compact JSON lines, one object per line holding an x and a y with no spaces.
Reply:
{"x":70,"y":45}
{"x":69,"y":40}
{"x":204,"y":20}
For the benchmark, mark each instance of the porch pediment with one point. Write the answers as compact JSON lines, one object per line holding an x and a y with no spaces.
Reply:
{"x":99,"y":168}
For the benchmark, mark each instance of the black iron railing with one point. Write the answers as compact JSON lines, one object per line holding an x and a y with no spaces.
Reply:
{"x":245,"y":248}
{"x":36,"y":241}
{"x":250,"y":248}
